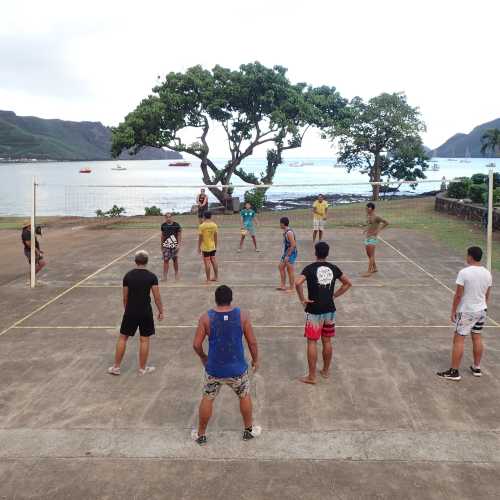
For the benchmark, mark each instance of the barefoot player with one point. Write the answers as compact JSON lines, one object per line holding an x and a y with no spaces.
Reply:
{"x":320,"y":210}
{"x":248,"y":222}
{"x":374,"y":225}
{"x":26,"y":239}
{"x":320,"y":308}
{"x":171,"y":237}
{"x":289,"y":257}
{"x":207,"y":246}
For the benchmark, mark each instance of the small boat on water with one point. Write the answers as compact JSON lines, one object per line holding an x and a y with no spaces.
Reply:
{"x":339,"y":165}
{"x":179,"y":164}
{"x":301,"y":164}
{"x":85,"y":170}
{"x":435,"y":167}
{"x":118,"y":167}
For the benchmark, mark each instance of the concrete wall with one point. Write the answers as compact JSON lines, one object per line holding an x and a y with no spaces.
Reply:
{"x":468,"y":211}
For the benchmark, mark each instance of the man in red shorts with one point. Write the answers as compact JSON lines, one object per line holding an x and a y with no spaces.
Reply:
{"x":320,"y":307}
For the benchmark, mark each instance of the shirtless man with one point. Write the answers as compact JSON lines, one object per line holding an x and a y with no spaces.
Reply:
{"x":375,"y":224}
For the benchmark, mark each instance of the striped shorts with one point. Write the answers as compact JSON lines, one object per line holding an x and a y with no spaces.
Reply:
{"x":470,"y":323}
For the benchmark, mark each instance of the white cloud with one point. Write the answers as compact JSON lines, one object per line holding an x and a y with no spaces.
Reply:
{"x":95,"y":60}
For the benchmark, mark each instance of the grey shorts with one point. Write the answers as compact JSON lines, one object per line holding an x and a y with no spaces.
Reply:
{"x":240,"y":385}
{"x":470,"y":323}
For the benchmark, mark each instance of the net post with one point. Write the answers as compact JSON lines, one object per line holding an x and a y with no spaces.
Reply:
{"x":489,"y":230}
{"x":33,"y":236}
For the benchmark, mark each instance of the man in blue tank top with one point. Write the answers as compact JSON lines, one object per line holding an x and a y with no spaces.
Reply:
{"x":225,"y":326}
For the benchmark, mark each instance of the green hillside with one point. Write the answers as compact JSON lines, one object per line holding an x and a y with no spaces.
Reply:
{"x":32,"y":137}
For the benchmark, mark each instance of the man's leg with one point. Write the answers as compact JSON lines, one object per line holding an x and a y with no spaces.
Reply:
{"x":246,"y":411}
{"x":215,"y":266}
{"x":315,"y":232}
{"x":165,"y":268}
{"x":121,"y":347}
{"x":291,"y":276}
{"x":205,"y":412}
{"x":320,"y":235}
{"x":39,"y":266}
{"x":206,"y":262}
{"x":254,"y":239}
{"x":369,"y":250}
{"x":457,"y":351}
{"x":477,"y":349}
{"x":312,"y":357}
{"x":176,"y":267}
{"x":327,"y":356}
{"x":143,"y":352}
{"x":281,"y":268}
{"x":242,"y":239}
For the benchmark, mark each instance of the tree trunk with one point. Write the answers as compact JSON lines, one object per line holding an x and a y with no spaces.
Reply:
{"x":375,"y":177}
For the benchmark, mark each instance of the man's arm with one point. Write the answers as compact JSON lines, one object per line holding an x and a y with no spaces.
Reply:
{"x":293,"y":244}
{"x":299,"y":282}
{"x":157,"y":297}
{"x":382,"y":224}
{"x":179,"y":237}
{"x":125,"y":297}
{"x":459,"y":292}
{"x":200,"y":239}
{"x":162,"y":239}
{"x":346,"y":284}
{"x":251,"y":340}
{"x":326,"y":212}
{"x":199,"y":337}
{"x":215,"y":239}
{"x":487,"y":296}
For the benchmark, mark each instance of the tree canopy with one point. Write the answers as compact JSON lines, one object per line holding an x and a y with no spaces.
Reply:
{"x":255,"y":106}
{"x":382,"y":138}
{"x":490,"y":141}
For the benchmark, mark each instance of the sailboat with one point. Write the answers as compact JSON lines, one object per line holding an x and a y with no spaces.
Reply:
{"x":467,"y":156}
{"x":118,"y":167}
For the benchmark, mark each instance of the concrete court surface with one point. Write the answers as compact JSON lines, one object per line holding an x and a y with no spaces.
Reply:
{"x":383,"y":426}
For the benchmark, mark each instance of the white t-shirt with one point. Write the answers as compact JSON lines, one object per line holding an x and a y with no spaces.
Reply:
{"x":476,"y":280}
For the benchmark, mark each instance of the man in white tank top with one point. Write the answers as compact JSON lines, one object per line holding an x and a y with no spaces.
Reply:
{"x":468,"y":312}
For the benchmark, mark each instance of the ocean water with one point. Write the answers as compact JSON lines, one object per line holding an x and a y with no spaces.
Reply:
{"x":64,"y":191}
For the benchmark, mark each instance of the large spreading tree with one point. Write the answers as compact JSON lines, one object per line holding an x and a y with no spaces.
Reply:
{"x":382,"y":138}
{"x":255,"y":106}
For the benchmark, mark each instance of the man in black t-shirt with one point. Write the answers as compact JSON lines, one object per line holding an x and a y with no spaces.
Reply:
{"x":26,"y":239}
{"x":171,"y":237}
{"x":137,"y":286}
{"x":320,"y":307}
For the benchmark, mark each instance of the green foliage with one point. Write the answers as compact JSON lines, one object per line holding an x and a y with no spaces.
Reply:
{"x":496,"y":197}
{"x":114,"y":211}
{"x":382,"y":139}
{"x":477,"y":192}
{"x":254,"y":105}
{"x":256,"y":197}
{"x":490,"y":141}
{"x":150,"y":211}
{"x":479,"y":179}
{"x":458,"y":189}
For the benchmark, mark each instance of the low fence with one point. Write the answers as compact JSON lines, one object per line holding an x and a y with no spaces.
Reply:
{"x":464,"y":210}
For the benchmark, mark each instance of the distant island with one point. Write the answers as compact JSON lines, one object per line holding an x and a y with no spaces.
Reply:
{"x":32,"y":138}
{"x":465,"y":145}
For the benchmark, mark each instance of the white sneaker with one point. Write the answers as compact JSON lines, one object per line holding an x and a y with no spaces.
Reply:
{"x":148,"y":369}
{"x":255,"y":432}
{"x":112,"y":370}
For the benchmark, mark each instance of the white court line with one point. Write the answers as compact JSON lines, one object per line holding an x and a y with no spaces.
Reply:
{"x":76,"y":285}
{"x":171,"y":327}
{"x":264,"y":285}
{"x":437,"y":280}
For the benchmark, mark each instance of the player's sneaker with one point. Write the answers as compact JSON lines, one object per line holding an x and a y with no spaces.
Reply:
{"x":201,"y":440}
{"x":112,"y":370}
{"x":148,"y":369}
{"x":252,"y":432}
{"x":476,"y":371}
{"x":451,"y":374}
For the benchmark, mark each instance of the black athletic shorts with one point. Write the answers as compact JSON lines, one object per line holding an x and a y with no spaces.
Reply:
{"x":209,"y":254}
{"x":145,"y":323}
{"x":202,"y":211}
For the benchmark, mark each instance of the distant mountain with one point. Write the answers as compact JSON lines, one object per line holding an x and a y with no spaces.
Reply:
{"x":462,"y":145}
{"x":41,"y":139}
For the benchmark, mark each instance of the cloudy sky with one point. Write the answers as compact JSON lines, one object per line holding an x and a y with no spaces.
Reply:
{"x":95,"y":60}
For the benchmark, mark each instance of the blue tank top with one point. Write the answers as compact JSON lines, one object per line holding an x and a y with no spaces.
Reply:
{"x":286,"y":242}
{"x":226,"y":355}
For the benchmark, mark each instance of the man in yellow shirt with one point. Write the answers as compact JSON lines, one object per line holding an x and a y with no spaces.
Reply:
{"x":207,"y":245}
{"x":320,"y":209}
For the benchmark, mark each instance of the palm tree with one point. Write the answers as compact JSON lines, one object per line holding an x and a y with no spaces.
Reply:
{"x":490,"y":141}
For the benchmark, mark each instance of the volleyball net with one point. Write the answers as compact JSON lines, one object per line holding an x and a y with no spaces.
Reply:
{"x":440,"y":208}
